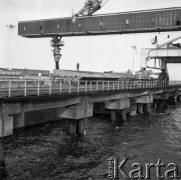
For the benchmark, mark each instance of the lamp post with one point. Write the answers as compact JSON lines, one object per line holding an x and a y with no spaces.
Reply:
{"x":134,"y":58}
{"x":10,"y":28}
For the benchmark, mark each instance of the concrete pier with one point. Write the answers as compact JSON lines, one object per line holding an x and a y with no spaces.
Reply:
{"x":1,"y":154}
{"x":148,"y":108}
{"x":158,"y":105}
{"x":113,"y":115}
{"x":75,"y":107}
{"x":75,"y":127}
{"x":140,"y":108}
{"x":34,"y":117}
{"x":2,"y":161}
{"x":19,"y":120}
{"x":71,"y":127}
{"x":164,"y":104}
{"x":8,"y":126}
{"x":143,"y":104}
{"x":118,"y":105}
{"x":123,"y":115}
{"x":80,"y":127}
{"x":76,"y":116}
{"x":161,"y":101}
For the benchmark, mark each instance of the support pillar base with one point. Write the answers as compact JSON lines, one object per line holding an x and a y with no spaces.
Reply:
{"x":75,"y":127}
{"x":140,"y":108}
{"x":148,"y":108}
{"x":123,"y":115}
{"x":80,"y":127}
{"x":71,"y":127}
{"x":2,"y":162}
{"x":113,"y":115}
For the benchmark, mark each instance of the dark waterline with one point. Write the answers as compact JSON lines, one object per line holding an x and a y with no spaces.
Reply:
{"x":44,"y":152}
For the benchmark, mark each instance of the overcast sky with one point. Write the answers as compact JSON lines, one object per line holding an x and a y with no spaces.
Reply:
{"x":95,"y":53}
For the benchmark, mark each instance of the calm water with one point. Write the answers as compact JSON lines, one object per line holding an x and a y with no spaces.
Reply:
{"x":44,"y":152}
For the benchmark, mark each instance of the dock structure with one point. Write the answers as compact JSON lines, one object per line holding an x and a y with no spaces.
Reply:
{"x":32,"y":102}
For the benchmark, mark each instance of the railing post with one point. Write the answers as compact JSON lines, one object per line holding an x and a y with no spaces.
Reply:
{"x":97,"y":86}
{"x":60,"y":87}
{"x":118,"y":85}
{"x":113,"y":86}
{"x":78,"y":86}
{"x":103,"y":86}
{"x":90,"y":88}
{"x":85,"y":86}
{"x":38,"y":90}
{"x":25,"y":88}
{"x":70,"y":87}
{"x":50,"y":88}
{"x":9,"y":89}
{"x":108,"y":86}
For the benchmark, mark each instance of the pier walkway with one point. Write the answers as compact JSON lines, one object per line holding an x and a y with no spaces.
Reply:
{"x":25,"y":103}
{"x":13,"y":89}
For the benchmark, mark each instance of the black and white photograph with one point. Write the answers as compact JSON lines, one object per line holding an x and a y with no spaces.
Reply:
{"x":90,"y":89}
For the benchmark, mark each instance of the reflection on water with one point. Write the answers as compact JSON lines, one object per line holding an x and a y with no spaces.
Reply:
{"x":44,"y":152}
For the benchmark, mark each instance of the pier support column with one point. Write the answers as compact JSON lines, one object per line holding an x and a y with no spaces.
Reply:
{"x":75,"y":127}
{"x":2,"y":162}
{"x":123,"y":115}
{"x":71,"y":127}
{"x":140,"y":108}
{"x":76,"y":116}
{"x":133,"y":108}
{"x":148,"y":108}
{"x":113,"y":115}
{"x":175,"y":100}
{"x":143,"y":104}
{"x":164,"y":104}
{"x":179,"y":98}
{"x":157,"y":104}
{"x":118,"y":105}
{"x":153,"y":105}
{"x":80,"y":127}
{"x":8,"y":126}
{"x":19,"y":120}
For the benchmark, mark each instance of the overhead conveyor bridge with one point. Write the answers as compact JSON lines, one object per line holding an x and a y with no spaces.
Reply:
{"x":156,"y":20}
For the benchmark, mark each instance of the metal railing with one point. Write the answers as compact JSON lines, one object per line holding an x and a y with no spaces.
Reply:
{"x":37,"y":88}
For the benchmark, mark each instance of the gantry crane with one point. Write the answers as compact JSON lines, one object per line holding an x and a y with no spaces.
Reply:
{"x":90,"y":7}
{"x":167,"y":52}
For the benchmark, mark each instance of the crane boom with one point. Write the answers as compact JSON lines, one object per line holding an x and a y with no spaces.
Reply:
{"x":90,"y":7}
